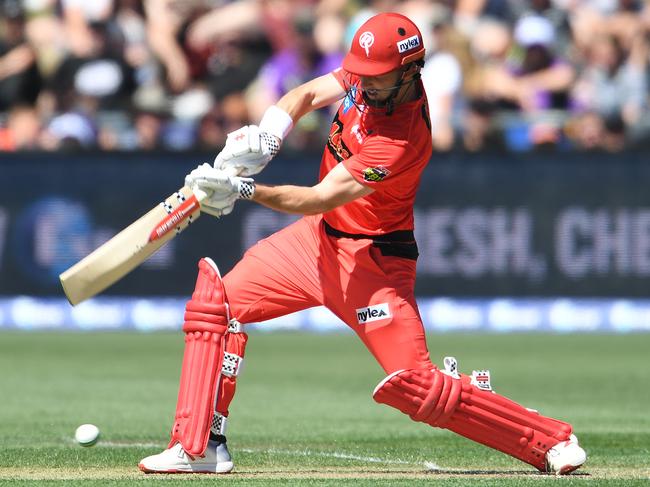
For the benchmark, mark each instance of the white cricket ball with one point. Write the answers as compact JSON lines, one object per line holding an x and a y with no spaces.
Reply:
{"x":87,"y":434}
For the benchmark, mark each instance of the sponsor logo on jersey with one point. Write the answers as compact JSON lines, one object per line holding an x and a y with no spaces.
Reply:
{"x":373,"y":313}
{"x":375,"y":174}
{"x":335,"y":143}
{"x":408,"y":44}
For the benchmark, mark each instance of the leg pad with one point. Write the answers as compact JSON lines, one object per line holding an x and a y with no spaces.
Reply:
{"x":206,"y":323}
{"x":444,"y":401}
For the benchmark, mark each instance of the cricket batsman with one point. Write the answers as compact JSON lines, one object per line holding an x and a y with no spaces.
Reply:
{"x":353,"y":251}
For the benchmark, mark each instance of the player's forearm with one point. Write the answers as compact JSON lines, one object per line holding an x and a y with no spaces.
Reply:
{"x":299,"y":200}
{"x":311,"y":96}
{"x":297,"y":102}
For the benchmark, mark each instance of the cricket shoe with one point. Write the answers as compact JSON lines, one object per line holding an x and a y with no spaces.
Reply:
{"x":565,"y":457}
{"x":216,"y":459}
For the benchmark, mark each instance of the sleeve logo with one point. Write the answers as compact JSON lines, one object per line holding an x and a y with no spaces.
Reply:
{"x":375,"y":174}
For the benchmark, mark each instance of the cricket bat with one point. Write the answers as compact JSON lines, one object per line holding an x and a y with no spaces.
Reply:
{"x":132,"y":246}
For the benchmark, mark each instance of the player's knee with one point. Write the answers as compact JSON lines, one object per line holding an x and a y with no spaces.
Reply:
{"x":207,"y":311}
{"x":425,"y":395}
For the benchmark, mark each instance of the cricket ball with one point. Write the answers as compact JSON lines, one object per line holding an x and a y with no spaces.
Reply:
{"x":87,"y":434}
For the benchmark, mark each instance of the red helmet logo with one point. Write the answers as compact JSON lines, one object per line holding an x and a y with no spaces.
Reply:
{"x":366,"y":40}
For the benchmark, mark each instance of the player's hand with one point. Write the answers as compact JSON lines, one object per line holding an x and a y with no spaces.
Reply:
{"x":248,"y":150}
{"x":222,"y":189}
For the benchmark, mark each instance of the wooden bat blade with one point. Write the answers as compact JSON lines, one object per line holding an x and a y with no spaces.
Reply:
{"x":132,"y":246}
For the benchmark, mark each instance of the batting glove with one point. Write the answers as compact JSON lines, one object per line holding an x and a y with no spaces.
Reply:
{"x":248,"y":150}
{"x":221,"y":188}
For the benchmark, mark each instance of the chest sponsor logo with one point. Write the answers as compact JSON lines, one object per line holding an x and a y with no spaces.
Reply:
{"x":375,"y":174}
{"x":335,"y":143}
{"x":373,"y":313}
{"x":408,"y":44}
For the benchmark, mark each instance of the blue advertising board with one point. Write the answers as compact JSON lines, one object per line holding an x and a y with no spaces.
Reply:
{"x":487,"y":225}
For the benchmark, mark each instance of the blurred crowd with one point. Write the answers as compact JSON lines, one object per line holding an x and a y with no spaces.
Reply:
{"x":180,"y":74}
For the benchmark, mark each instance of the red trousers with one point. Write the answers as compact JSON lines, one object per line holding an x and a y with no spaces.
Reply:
{"x":301,"y":266}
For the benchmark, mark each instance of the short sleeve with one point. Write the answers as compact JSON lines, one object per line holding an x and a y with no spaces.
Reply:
{"x":380,"y":163}
{"x":344,"y":78}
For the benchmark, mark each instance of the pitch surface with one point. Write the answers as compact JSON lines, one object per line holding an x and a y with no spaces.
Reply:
{"x":304,"y":414}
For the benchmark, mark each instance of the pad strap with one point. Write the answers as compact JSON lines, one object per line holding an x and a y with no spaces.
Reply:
{"x":219,"y":424}
{"x":233,"y":359}
{"x":231,"y":364}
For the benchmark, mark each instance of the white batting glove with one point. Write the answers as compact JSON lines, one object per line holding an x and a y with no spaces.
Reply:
{"x":222,"y":189}
{"x":248,"y":150}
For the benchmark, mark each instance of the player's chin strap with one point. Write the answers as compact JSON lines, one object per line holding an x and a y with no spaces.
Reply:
{"x":467,"y":406}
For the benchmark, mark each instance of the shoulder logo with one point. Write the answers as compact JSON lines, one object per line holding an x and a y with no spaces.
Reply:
{"x":366,"y":40}
{"x":408,"y":44}
{"x":375,"y":174}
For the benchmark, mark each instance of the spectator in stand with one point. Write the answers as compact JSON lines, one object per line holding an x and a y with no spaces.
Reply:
{"x":316,"y":50}
{"x":78,"y":18}
{"x":143,"y":74}
{"x":470,"y":14}
{"x":19,"y":79}
{"x":187,"y":39}
{"x":553,"y":12}
{"x":488,"y":51}
{"x":130,"y":24}
{"x":442,"y":78}
{"x":535,"y":79}
{"x":613,"y":82}
{"x":22,"y":131}
{"x":208,"y":51}
{"x":531,"y":81}
{"x":70,"y":131}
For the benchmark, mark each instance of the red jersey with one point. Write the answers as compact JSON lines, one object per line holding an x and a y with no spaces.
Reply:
{"x":384,"y":152}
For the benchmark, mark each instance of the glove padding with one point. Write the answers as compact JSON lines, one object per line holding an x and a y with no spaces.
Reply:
{"x":222,"y":189}
{"x":248,"y":150}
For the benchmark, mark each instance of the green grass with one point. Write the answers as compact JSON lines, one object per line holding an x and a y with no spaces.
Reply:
{"x":304,"y":414}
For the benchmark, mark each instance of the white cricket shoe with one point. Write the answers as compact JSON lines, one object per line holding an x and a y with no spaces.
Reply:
{"x":565,"y":457}
{"x":174,"y":460}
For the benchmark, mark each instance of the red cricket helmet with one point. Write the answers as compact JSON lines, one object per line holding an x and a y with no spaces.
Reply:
{"x":382,"y":44}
